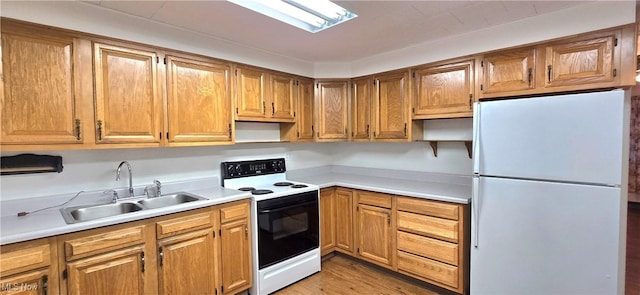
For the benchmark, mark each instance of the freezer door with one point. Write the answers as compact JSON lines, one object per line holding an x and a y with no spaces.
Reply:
{"x":575,"y":138}
{"x":547,"y":238}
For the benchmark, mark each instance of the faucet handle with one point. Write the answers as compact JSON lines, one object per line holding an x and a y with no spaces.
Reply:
{"x":158,"y":187}
{"x":114,"y":195}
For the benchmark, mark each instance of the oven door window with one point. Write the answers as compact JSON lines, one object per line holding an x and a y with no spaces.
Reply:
{"x":287,"y":226}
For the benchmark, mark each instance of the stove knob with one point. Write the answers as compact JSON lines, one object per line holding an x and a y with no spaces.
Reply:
{"x":238,"y":169}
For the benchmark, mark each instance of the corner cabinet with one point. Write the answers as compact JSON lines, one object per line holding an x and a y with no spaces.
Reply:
{"x":391,"y":107}
{"x":198,"y":101}
{"x":361,"y":108}
{"x":41,"y":75}
{"x":444,"y":91}
{"x":332,"y":110}
{"x":128,"y":104}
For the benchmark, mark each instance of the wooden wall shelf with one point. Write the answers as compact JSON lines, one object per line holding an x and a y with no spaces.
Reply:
{"x":434,"y":145}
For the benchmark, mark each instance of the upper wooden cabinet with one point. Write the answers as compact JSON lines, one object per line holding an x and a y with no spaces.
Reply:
{"x":128,"y":106}
{"x":198,"y":101}
{"x":361,"y":107}
{"x":41,"y":94}
{"x":332,"y":99}
{"x":509,"y":71}
{"x":305,"y":117}
{"x":602,"y":59}
{"x":444,"y":91}
{"x":391,"y":106}
{"x":264,"y":96}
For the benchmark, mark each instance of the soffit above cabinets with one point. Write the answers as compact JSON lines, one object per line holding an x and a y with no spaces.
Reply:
{"x":381,"y":26}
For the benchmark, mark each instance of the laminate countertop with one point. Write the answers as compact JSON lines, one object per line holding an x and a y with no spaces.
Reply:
{"x":439,"y":187}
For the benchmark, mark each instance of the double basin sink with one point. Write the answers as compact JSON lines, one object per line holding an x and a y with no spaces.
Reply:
{"x":91,"y":212}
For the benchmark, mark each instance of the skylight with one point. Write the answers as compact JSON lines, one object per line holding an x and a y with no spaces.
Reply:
{"x":310,"y":15}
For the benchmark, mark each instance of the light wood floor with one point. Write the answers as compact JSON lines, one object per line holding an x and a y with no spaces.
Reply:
{"x":341,"y":275}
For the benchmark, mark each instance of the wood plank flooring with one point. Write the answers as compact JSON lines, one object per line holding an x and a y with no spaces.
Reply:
{"x":632,"y":282}
{"x":341,"y":275}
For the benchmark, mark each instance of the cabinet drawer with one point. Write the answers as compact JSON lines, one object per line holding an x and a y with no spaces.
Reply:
{"x":24,"y":256}
{"x":429,"y":226}
{"x":179,"y":225}
{"x":427,"y":207}
{"x":233,"y":212}
{"x":428,"y":269}
{"x":374,"y":199}
{"x":428,"y":247}
{"x":102,"y":242}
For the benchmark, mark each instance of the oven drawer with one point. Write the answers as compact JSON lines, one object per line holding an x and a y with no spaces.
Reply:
{"x":427,"y":207}
{"x":428,"y":247}
{"x":429,"y":226}
{"x":427,"y":269}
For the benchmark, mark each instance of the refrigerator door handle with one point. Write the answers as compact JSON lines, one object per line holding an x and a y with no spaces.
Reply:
{"x":474,"y":208}
{"x":476,"y":138}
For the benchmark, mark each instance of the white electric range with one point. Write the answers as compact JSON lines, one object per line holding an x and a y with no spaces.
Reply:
{"x":284,"y":221}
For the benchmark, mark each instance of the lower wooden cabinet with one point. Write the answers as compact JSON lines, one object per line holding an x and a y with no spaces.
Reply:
{"x":201,"y":251}
{"x":424,"y":239}
{"x":29,"y":268}
{"x":327,"y":220}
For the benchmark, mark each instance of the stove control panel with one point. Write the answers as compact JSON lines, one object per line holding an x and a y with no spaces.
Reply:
{"x":252,"y":168}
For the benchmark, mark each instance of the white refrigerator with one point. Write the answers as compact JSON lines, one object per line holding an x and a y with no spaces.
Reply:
{"x":549,"y":204}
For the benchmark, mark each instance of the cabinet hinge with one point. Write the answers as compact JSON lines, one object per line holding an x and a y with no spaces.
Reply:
{"x":358,"y":250}
{"x":317,"y":85}
{"x":157,"y":59}
{"x":413,"y":110}
{"x":142,"y":262}
{"x":216,"y":291}
{"x":45,"y":284}
{"x":222,"y":289}
{"x":165,"y":60}
{"x":236,"y":72}
{"x":220,"y":232}
{"x":160,"y":256}
{"x":65,"y":274}
{"x":161,"y":135}
{"x":214,"y":233}
{"x":294,"y":114}
{"x":482,"y":63}
{"x":167,"y":135}
{"x":615,"y":42}
{"x":615,"y":72}
{"x":481,"y":87}
{"x":413,"y":75}
{"x":298,"y":134}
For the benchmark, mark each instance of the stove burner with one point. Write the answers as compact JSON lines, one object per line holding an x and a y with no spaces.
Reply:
{"x":247,"y":189}
{"x":283,"y":183}
{"x":261,"y":192}
{"x":299,"y":186}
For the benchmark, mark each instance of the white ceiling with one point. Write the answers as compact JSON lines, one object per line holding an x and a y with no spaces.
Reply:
{"x":381,"y":26}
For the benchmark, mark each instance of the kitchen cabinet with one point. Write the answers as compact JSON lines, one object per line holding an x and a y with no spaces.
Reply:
{"x":391,"y":106}
{"x":327,"y":221}
{"x":40,"y":74}
{"x":198,"y":101}
{"x":282,"y":97}
{"x":107,"y":261}
{"x":344,"y":221}
{"x":511,"y":70}
{"x":361,"y":108}
{"x":128,"y":104}
{"x":376,"y":242}
{"x":305,"y":118}
{"x":332,"y":110}
{"x":444,"y":90}
{"x":29,"y":267}
{"x":432,"y":242}
{"x":185,"y":244}
{"x":264,"y":96}
{"x":235,"y":245}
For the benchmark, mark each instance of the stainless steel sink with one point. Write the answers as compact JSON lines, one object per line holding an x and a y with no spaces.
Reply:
{"x":169,"y":200}
{"x":84,"y":213}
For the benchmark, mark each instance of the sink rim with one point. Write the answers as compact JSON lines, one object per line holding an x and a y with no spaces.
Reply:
{"x":139,"y":204}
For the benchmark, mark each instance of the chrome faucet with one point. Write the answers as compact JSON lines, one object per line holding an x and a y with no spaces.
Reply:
{"x":130,"y":176}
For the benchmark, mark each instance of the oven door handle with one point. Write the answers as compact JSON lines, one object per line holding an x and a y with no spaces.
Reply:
{"x":266,"y":211}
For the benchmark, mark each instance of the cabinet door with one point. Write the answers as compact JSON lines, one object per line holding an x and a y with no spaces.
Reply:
{"x":305,"y":110}
{"x":127,"y":104}
{"x":344,"y":220}
{"x":34,"y":282}
{"x":332,"y":112}
{"x":187,"y":263}
{"x":392,"y":106}
{"x":199,"y":101}
{"x":581,"y":62}
{"x":236,"y":256}
{"x":116,"y":272}
{"x":374,"y":230}
{"x":282,"y":93}
{"x":250,"y":101}
{"x":509,"y":71}
{"x":444,"y":91}
{"x":39,"y":103}
{"x":327,"y":221}
{"x":361,"y":109}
